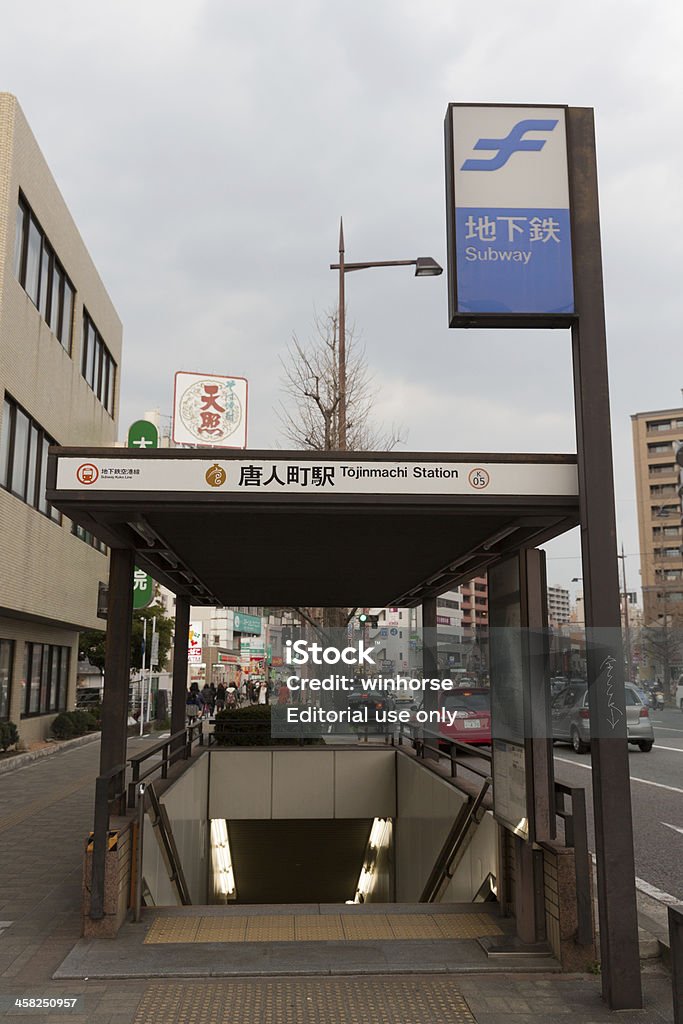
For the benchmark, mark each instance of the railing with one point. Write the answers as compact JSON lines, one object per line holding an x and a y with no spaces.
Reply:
{"x":169,"y":849}
{"x":178,"y":744}
{"x":442,"y":872}
{"x":576,"y":836}
{"x":676,"y":939}
{"x":110,"y":796}
{"x":109,"y":790}
{"x":572,"y":816}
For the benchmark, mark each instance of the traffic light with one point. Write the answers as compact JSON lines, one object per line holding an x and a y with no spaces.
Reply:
{"x":368,"y":620}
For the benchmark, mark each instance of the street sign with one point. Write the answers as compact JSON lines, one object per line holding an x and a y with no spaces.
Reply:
{"x":194,"y":644}
{"x":243,"y":623}
{"x":509,"y":240}
{"x":143,"y":589}
{"x":142,"y":434}
{"x":210,"y":410}
{"x":154,"y":652}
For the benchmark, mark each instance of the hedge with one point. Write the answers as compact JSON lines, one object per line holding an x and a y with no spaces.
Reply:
{"x":73,"y":723}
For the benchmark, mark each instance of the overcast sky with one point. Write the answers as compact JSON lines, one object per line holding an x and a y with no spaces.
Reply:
{"x":207,"y":149}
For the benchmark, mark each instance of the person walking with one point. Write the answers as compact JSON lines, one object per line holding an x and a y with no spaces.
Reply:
{"x":192,"y":706}
{"x":206,"y":699}
{"x":220,"y":696}
{"x":263,"y":692}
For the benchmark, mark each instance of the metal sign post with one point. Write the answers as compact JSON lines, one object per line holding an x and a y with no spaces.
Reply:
{"x":524,"y":251}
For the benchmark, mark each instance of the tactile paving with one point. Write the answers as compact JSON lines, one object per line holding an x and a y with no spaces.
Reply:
{"x":318,"y":927}
{"x":222,"y":929}
{"x":270,"y":928}
{"x":357,"y":1000}
{"x":413,"y":926}
{"x":321,"y":927}
{"x":366,"y":926}
{"x":173,"y":929}
{"x":466,"y":926}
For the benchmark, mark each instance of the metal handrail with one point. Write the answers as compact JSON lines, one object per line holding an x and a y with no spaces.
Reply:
{"x":103,"y":799}
{"x":455,"y":844}
{"x":676,"y":940}
{"x":575,"y":829}
{"x":169,"y":748}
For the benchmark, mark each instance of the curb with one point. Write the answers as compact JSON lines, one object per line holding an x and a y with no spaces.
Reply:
{"x":21,"y":760}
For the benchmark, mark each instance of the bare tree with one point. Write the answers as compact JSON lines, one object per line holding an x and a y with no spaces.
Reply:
{"x":309,"y":414}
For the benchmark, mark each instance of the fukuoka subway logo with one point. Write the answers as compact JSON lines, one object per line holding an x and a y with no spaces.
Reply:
{"x":514,"y":142}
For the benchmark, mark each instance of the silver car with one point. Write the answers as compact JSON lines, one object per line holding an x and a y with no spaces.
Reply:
{"x":570,"y":718}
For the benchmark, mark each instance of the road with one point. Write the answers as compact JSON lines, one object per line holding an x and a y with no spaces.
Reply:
{"x":656,"y":800}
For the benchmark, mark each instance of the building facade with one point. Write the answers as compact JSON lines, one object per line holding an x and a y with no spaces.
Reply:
{"x":659,"y":514}
{"x":558,"y":606}
{"x":60,"y":352}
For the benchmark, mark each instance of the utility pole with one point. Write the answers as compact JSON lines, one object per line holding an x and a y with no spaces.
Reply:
{"x":341,"y":415}
{"x":627,"y":628}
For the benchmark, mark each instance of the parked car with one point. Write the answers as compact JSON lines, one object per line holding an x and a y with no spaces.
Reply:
{"x":570,"y":718}
{"x":472,"y":723}
{"x":472,"y":708}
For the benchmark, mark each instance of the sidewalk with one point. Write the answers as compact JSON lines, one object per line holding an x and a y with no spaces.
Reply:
{"x":45,"y":812}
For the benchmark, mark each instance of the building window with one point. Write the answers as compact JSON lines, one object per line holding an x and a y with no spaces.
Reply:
{"x":667,"y":552}
{"x":45,"y":681}
{"x":656,"y":425}
{"x":98,"y":366}
{"x":659,"y":448}
{"x":6,"y":659}
{"x":23,"y":458}
{"x":42,"y":276}
{"x":88,"y":538}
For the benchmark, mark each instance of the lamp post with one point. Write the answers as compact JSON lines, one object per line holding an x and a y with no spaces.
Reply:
{"x":425,"y":266}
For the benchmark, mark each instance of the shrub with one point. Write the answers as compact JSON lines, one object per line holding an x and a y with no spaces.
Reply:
{"x":79,"y":721}
{"x":9,"y":735}
{"x":63,"y":727}
{"x":251,"y":726}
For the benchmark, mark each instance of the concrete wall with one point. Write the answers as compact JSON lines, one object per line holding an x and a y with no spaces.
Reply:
{"x":186,"y":803}
{"x":479,"y":860}
{"x":303,"y":783}
{"x":309,"y":783}
{"x":427,"y":808}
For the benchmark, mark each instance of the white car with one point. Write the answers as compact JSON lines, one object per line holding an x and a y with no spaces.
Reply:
{"x":679,"y":693}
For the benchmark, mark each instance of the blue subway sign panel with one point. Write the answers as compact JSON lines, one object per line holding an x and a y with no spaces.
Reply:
{"x":509,"y":225}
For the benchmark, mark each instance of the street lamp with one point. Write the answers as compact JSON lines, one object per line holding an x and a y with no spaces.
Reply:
{"x":425,"y":266}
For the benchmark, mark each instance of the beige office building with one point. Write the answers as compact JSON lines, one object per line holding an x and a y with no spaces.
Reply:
{"x":60,"y":352}
{"x":659,"y":513}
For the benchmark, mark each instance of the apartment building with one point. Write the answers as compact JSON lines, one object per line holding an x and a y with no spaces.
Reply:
{"x":558,"y":606}
{"x":60,"y":353}
{"x":659,"y":513}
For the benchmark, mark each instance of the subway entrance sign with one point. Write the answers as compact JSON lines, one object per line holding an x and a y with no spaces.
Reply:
{"x":508,"y":217}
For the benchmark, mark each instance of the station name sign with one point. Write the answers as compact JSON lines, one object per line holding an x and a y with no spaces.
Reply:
{"x":508,"y":217}
{"x":287,"y":476}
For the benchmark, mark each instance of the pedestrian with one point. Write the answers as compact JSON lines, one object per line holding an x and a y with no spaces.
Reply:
{"x":206,"y":700}
{"x":220,"y":696}
{"x":231,"y":695}
{"x":283,"y":694}
{"x":192,"y":705}
{"x":263,"y":692}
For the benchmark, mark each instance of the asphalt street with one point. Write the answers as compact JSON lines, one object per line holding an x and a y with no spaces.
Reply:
{"x":656,"y":800}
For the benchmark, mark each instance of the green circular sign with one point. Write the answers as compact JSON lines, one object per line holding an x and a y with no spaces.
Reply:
{"x":142,"y":434}
{"x":143,"y":589}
